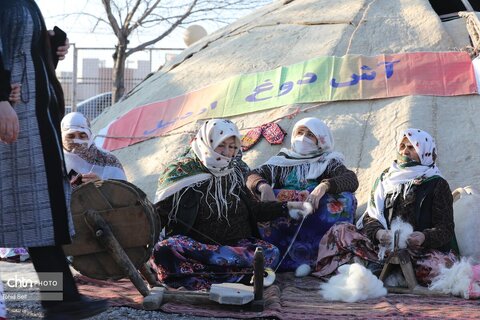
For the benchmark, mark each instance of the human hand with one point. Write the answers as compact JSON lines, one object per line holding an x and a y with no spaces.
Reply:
{"x":14,"y":97}
{"x":89,"y":177}
{"x":62,"y":50}
{"x":384,"y":237}
{"x":416,"y":239}
{"x":298,"y":209}
{"x":9,"y":125}
{"x":317,"y":194}
{"x":266,"y":193}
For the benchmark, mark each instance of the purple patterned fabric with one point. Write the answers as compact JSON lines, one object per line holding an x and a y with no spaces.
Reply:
{"x":14,"y":254}
{"x":180,"y":261}
{"x":333,"y":208}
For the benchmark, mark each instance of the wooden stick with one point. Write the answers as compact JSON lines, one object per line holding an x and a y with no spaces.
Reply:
{"x":105,"y":236}
{"x":258,"y":304}
{"x":148,"y":275}
{"x":160,"y":295}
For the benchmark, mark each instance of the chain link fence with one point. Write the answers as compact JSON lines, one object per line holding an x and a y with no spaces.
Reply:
{"x":86,"y":75}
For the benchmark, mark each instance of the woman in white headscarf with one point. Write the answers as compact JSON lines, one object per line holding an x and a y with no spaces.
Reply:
{"x":210,"y":217}
{"x":310,"y":170}
{"x":83,"y":160}
{"x":412,"y":189}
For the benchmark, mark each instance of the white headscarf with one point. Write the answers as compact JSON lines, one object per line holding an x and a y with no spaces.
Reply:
{"x":76,"y":122}
{"x":211,"y":134}
{"x":87,"y":158}
{"x":321,"y":131}
{"x":399,"y":176}
{"x":311,"y":166}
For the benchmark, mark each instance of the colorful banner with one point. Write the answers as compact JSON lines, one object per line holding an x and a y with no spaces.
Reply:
{"x":351,"y":77}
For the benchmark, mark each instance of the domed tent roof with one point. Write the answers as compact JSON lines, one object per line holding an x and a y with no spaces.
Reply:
{"x":287,"y":32}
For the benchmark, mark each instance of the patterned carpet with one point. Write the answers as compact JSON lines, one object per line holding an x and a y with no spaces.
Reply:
{"x":293,"y":298}
{"x":119,"y":293}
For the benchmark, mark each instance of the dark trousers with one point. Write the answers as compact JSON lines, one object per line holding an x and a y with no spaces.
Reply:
{"x":52,"y":259}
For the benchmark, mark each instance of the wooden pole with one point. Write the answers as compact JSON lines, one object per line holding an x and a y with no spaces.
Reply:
{"x":148,"y":275}
{"x":160,"y":295}
{"x":258,"y":303}
{"x":105,"y":236}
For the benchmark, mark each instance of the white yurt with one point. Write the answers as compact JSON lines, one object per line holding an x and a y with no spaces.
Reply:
{"x":288,"y":32}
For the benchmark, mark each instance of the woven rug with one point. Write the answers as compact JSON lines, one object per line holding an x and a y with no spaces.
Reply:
{"x":293,"y":298}
{"x":119,"y":293}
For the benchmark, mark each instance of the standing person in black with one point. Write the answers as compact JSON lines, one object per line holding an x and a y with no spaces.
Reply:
{"x":34,"y":191}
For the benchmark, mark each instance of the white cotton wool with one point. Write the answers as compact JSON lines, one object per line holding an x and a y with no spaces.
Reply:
{"x":353,"y":283}
{"x":405,"y":229}
{"x":303,"y":270}
{"x":395,"y":279}
{"x":308,"y":207}
{"x":455,"y":280}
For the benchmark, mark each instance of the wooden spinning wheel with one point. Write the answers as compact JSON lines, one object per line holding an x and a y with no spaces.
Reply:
{"x":116,"y":228}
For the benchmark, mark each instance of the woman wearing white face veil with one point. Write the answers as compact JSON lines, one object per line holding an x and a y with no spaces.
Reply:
{"x":82,"y":158}
{"x":210,"y":217}
{"x":310,"y":170}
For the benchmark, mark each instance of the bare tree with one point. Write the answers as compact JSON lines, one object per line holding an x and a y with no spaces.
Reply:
{"x":128,"y":17}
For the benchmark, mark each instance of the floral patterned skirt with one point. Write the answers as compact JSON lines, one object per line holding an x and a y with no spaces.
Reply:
{"x":180,"y":261}
{"x":14,"y":254}
{"x":332,"y":208}
{"x":343,"y":244}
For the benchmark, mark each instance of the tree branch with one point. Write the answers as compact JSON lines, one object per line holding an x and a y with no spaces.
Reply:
{"x":145,"y":14}
{"x":166,"y":33}
{"x":113,"y":22}
{"x":127,"y":16}
{"x":130,"y":14}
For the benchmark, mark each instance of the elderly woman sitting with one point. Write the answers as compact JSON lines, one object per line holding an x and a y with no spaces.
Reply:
{"x":413,"y":190}
{"x":310,"y":170}
{"x":83,"y":160}
{"x":210,"y":217}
